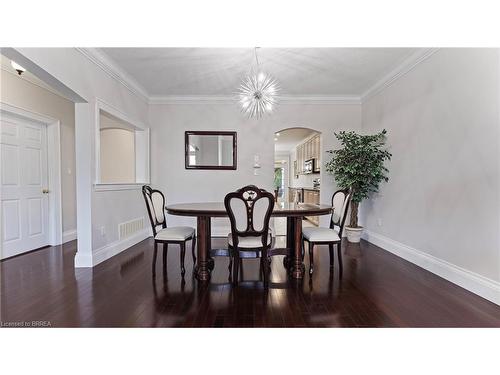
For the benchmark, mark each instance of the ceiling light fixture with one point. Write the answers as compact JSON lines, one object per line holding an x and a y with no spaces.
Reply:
{"x":257,"y":92}
{"x":18,"y":68}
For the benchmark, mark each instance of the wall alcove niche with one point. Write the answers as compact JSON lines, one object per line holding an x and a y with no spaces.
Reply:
{"x":122,"y":151}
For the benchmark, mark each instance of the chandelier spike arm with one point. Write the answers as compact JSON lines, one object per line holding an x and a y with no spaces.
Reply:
{"x":257,"y":92}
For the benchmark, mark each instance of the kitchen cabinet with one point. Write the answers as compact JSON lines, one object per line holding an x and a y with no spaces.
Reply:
{"x":309,"y":196}
{"x":309,"y":149}
{"x":312,"y":197}
{"x":317,"y":152}
{"x":305,"y":195}
{"x":301,"y":158}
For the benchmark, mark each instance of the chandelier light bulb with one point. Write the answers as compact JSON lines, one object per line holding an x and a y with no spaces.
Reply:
{"x":257,"y":93}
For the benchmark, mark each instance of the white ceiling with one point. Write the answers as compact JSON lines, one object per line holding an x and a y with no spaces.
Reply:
{"x":289,"y":138}
{"x":218,"y":71}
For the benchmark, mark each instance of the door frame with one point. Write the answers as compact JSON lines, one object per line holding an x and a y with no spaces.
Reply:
{"x":286,"y":174}
{"x":53,"y":169}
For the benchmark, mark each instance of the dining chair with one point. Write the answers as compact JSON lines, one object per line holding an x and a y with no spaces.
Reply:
{"x":249,"y":210}
{"x":155,"y":203}
{"x":329,"y":236}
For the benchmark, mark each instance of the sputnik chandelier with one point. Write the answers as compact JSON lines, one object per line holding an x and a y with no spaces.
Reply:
{"x":257,"y":92}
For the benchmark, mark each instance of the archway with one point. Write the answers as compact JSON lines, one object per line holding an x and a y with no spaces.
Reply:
{"x":297,"y":166}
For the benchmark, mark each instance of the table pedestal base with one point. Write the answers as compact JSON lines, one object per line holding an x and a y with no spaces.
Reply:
{"x":202,"y":270}
{"x":292,"y":263}
{"x":294,"y":242}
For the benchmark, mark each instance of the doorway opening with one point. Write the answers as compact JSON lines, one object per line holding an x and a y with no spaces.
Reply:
{"x":279,"y":180}
{"x":297,"y":168}
{"x":37,"y":183}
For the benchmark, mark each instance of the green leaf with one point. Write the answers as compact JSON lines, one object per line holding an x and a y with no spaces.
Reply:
{"x":359,"y":164}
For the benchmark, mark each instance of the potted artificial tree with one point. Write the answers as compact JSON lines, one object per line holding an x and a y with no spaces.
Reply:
{"x":359,"y":166}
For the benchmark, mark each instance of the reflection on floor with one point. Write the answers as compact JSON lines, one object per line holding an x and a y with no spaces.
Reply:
{"x":378,"y":289}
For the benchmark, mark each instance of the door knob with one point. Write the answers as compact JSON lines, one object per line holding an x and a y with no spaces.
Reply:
{"x":45,"y":191}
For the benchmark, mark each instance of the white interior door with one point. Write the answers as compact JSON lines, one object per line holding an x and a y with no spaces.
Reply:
{"x":24,"y":186}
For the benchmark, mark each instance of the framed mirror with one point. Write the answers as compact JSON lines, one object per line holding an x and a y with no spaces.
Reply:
{"x":210,"y":150}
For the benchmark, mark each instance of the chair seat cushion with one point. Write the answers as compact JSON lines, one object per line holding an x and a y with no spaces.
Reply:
{"x":248,"y":242}
{"x":175,"y":234}
{"x":320,"y":234}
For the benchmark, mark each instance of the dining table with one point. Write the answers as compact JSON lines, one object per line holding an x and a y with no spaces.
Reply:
{"x":294,"y":213}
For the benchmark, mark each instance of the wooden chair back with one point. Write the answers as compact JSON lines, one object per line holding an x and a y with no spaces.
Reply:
{"x":340,"y":203}
{"x":249,"y":210}
{"x":155,"y":204}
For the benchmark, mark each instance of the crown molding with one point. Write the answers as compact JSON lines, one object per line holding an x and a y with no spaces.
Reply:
{"x":325,"y":99}
{"x":102,"y":60}
{"x":402,"y":69}
{"x":186,"y":99}
{"x":224,"y":99}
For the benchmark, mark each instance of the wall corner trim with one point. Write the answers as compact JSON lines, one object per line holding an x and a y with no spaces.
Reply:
{"x":402,"y":69}
{"x":473,"y":282}
{"x":101,"y":60}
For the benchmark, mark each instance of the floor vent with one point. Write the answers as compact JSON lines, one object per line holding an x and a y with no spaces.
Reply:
{"x":131,"y":227}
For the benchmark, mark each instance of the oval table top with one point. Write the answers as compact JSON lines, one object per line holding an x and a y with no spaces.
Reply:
{"x":217,"y":209}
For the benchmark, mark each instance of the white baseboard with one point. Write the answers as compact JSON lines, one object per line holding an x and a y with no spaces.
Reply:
{"x":69,"y":235}
{"x":110,"y":250}
{"x":473,"y":282}
{"x":83,"y":260}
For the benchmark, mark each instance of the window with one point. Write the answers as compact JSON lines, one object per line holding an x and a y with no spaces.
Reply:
{"x":122,"y":152}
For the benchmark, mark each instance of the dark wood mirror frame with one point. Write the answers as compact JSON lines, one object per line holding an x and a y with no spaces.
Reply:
{"x":215,"y":167}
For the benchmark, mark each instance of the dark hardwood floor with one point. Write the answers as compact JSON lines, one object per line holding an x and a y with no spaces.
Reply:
{"x":378,"y":289}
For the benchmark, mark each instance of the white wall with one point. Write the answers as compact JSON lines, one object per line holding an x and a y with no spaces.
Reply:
{"x":441,"y":205}
{"x":99,"y":212}
{"x":21,"y":93}
{"x":170,"y":121}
